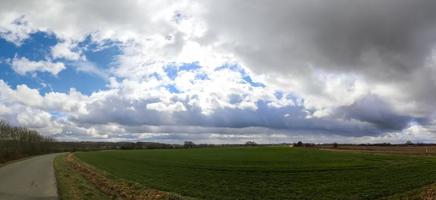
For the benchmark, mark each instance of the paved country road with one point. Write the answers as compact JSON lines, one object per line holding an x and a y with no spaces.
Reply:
{"x":29,"y":179}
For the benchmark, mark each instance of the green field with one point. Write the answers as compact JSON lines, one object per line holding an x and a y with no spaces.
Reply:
{"x":267,"y":172}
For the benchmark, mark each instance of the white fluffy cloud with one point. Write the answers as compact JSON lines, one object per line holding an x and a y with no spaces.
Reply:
{"x":64,"y":50}
{"x":14,"y":29}
{"x":23,"y":66}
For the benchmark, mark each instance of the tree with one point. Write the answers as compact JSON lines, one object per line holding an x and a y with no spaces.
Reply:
{"x":250,"y":143}
{"x":299,"y":144}
{"x":189,"y":144}
{"x":408,"y":142}
{"x":335,"y":145}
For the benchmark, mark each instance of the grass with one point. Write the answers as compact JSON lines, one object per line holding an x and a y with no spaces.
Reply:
{"x":78,"y":180}
{"x":268,"y":172}
{"x":71,"y":185}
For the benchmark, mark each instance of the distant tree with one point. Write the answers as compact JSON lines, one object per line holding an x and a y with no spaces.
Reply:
{"x":188,"y":144}
{"x":308,"y":144}
{"x":250,"y":143}
{"x":335,"y":145}
{"x":408,"y":142}
{"x":19,"y":142}
{"x":299,"y":144}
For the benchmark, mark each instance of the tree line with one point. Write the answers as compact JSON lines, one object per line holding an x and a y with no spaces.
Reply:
{"x":19,"y":142}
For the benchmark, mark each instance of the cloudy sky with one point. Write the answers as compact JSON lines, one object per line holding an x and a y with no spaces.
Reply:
{"x":220,"y":71}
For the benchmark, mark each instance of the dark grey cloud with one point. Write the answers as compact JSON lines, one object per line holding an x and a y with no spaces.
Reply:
{"x":337,"y":34}
{"x":386,"y":42}
{"x":372,"y":109}
{"x":287,"y":119}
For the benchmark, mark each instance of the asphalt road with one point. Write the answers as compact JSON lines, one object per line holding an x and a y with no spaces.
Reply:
{"x":30,"y":179}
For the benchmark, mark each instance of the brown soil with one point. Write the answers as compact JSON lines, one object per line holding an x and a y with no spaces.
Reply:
{"x":429,"y":193}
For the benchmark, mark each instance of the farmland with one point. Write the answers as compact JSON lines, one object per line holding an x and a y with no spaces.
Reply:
{"x":391,"y":149}
{"x":267,"y":172}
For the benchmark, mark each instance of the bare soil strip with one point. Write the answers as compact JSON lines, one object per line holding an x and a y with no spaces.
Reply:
{"x":404,"y":150}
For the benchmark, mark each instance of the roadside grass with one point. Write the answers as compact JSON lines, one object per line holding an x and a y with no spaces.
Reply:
{"x":427,"y":192}
{"x":78,"y":180}
{"x":72,"y":185}
{"x":268,"y":173}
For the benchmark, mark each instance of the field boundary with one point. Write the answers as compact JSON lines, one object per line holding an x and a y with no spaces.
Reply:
{"x":422,"y":150}
{"x":117,"y":188}
{"x":72,"y":185}
{"x":427,"y":192}
{"x":379,"y":152}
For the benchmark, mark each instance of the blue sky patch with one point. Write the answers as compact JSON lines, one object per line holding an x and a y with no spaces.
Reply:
{"x":84,"y":82}
{"x":8,"y":49}
{"x":103,"y":53}
{"x":248,"y":79}
{"x":172,"y":88}
{"x":37,"y":48}
{"x":13,"y":79}
{"x":172,"y":69}
{"x":245,"y":76}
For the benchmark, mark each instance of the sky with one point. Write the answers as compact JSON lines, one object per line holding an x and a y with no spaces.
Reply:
{"x":220,"y":71}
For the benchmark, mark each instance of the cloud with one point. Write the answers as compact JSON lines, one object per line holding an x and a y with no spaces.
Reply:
{"x":161,"y":107}
{"x":355,"y":71}
{"x":333,"y":35}
{"x":65,"y":50}
{"x":89,"y":67}
{"x":113,"y":19}
{"x":131,"y":104}
{"x":15,"y":30}
{"x":383,"y":42}
{"x":23,"y":66}
{"x":373,"y":109}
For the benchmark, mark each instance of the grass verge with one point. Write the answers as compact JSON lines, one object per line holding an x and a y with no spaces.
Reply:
{"x":78,"y":180}
{"x":424,"y":193}
{"x":72,"y":185}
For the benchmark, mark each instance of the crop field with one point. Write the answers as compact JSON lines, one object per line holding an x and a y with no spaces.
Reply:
{"x":405,"y":149}
{"x":267,"y":172}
